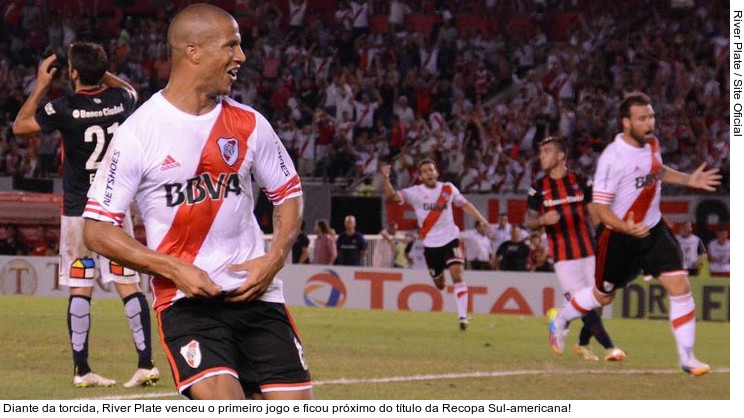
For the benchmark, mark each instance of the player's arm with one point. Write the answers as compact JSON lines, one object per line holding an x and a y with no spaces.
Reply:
{"x":475,"y":214}
{"x":110,"y":80}
{"x":390,"y":193}
{"x":287,"y":220}
{"x":535,"y":221}
{"x":606,"y":216}
{"x":114,"y":243}
{"x":699,"y":179}
{"x":25,"y":122}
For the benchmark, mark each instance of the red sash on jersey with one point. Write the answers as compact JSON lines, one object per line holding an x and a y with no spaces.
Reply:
{"x":294,"y":12}
{"x":428,"y":60}
{"x":192,"y":223}
{"x":358,"y":13}
{"x":433,"y":216}
{"x":364,"y":114}
{"x":643,"y":202}
{"x":304,"y":146}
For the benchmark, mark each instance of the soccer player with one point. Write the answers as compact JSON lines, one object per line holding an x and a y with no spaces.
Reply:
{"x":632,"y":236}
{"x":719,"y":251}
{"x":87,"y":120}
{"x":559,"y":202}
{"x":433,"y":200}
{"x":187,"y":156}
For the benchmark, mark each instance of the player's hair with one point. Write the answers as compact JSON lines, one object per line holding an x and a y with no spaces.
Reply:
{"x":424,"y":162}
{"x":631,"y":99}
{"x":559,"y":142}
{"x":89,"y":60}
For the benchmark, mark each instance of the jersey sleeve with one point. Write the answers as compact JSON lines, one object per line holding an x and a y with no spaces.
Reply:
{"x":116,"y":181}
{"x":606,"y":179}
{"x":534,"y":198}
{"x":50,"y":115}
{"x":273,"y":169}
{"x":457,"y":198}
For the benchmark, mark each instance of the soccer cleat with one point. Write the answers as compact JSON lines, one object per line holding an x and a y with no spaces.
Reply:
{"x":614,"y":354}
{"x":585,"y":352}
{"x":144,"y":377}
{"x":695,"y":367}
{"x":557,"y":333}
{"x":464,"y":324}
{"x":90,"y":380}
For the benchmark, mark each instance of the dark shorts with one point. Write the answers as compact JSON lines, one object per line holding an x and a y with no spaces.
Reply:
{"x":255,"y":342}
{"x":621,"y":258}
{"x":440,"y":258}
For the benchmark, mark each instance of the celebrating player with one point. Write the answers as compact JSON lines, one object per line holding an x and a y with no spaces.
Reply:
{"x":432,"y":201}
{"x":187,"y":155}
{"x":633,"y":236}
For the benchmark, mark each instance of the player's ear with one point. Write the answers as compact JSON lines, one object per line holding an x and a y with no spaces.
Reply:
{"x":193,"y":53}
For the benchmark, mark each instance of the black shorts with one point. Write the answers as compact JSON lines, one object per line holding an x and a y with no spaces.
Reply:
{"x":440,"y":258}
{"x":621,"y":257}
{"x":255,"y":342}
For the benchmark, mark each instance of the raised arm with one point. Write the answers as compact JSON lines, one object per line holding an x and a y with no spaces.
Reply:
{"x":25,"y":122}
{"x":390,"y":193}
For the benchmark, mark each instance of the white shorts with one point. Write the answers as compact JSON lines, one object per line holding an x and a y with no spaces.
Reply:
{"x":80,"y":267}
{"x":574,"y":275}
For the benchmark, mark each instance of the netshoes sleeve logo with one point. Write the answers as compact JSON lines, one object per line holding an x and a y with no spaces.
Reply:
{"x":201,"y":188}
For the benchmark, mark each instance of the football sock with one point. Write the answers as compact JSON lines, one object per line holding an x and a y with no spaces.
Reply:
{"x":138,"y":314}
{"x":461,"y":298}
{"x":582,"y":303}
{"x":78,"y":327}
{"x":593,"y":323}
{"x":682,"y":318}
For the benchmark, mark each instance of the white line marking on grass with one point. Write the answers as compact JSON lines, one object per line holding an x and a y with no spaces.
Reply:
{"x":422,"y":377}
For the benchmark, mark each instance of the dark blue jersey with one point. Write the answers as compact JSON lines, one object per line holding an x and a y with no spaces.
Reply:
{"x":87,"y":121}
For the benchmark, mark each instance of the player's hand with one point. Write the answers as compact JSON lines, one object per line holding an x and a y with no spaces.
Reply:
{"x":550,"y":218}
{"x":194,"y":282}
{"x":261,"y":272}
{"x":46,"y":72}
{"x":385,"y":170}
{"x":638,"y":230}
{"x":704,"y":179}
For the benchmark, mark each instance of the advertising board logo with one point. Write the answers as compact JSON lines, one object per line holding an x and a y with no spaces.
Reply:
{"x":325,"y":290}
{"x":18,"y":277}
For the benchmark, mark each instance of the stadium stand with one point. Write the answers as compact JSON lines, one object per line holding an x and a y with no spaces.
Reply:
{"x":484,"y":80}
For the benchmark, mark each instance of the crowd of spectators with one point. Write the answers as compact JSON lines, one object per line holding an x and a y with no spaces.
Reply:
{"x":345,"y":96}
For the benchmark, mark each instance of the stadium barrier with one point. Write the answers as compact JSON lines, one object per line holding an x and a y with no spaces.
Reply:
{"x":513,"y":293}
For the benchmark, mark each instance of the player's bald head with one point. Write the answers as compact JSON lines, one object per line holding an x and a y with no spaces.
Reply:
{"x":194,"y":24}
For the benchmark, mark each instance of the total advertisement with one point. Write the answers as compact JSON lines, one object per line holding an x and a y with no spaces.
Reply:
{"x":490,"y":292}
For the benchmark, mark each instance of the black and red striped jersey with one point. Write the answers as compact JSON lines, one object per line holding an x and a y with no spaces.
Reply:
{"x":571,"y":237}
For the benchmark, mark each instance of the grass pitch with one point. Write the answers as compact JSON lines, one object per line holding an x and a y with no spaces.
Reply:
{"x":378,"y":355}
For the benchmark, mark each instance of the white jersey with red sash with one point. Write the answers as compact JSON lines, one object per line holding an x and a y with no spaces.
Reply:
{"x":433,"y":208}
{"x":191,"y":178}
{"x":628,"y":180}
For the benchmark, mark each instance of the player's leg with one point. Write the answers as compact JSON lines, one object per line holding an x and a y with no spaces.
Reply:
{"x":137,"y":311}
{"x":436,"y":265}
{"x":272,"y":357}
{"x":77,"y":270}
{"x":665,"y":262}
{"x":460,"y":293}
{"x":593,"y":324}
{"x":616,"y":264}
{"x":220,"y":387}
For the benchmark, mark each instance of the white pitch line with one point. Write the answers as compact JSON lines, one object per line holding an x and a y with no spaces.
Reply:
{"x":421,"y":377}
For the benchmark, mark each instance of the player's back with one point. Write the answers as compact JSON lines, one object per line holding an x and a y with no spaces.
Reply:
{"x":87,"y":121}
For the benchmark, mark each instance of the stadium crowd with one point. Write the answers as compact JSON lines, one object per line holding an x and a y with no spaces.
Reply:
{"x":375,"y":81}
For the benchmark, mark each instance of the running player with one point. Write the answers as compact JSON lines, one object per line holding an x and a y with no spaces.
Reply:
{"x":433,"y":200}
{"x":558,"y":201}
{"x":632,"y":236}
{"x":187,"y":156}
{"x":87,"y":120}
